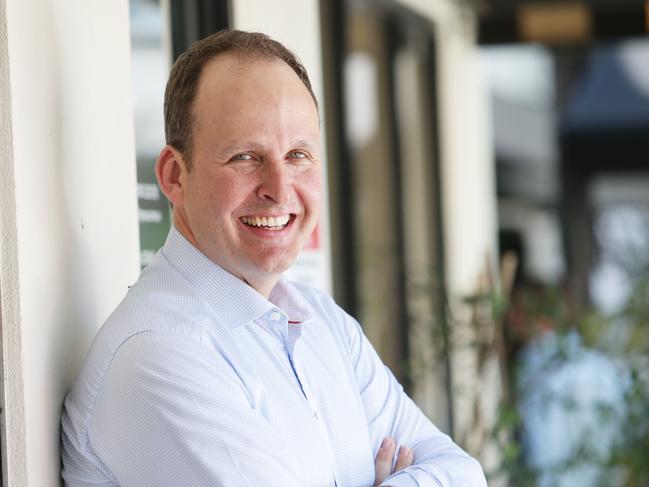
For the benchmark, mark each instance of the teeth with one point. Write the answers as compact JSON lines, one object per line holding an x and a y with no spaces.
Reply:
{"x":275,"y":223}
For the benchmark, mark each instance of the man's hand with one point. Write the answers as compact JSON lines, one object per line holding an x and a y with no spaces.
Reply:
{"x":383,"y":460}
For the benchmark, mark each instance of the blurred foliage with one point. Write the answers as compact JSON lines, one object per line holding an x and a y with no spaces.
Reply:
{"x":622,"y":337}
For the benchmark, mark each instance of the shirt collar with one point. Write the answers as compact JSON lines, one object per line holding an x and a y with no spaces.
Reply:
{"x":290,"y":300}
{"x":235,"y":302}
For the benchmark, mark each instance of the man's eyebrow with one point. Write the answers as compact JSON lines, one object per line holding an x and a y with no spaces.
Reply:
{"x":238,"y":146}
{"x":304,"y":143}
{"x":245,"y":146}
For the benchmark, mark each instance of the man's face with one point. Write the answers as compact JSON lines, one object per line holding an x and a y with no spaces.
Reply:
{"x":252,"y":197}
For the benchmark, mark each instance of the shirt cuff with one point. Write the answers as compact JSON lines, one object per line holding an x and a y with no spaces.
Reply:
{"x":406,"y":479}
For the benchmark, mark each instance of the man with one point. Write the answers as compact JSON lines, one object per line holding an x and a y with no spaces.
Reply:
{"x":214,"y":370}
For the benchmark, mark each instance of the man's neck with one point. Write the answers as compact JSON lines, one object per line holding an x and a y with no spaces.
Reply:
{"x":264,"y":288}
{"x":263,"y":284}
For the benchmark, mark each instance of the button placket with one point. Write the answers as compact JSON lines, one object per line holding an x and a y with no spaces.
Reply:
{"x":311,"y":403}
{"x":273,"y":322}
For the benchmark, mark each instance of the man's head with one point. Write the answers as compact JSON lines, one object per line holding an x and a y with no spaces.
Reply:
{"x":186,"y":72}
{"x":251,"y":197}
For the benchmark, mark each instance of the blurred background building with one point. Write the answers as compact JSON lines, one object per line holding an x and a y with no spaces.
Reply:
{"x":487,"y":216}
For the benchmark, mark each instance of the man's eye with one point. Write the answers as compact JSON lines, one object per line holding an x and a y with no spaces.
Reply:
{"x":242,"y":157}
{"x":297,"y":154}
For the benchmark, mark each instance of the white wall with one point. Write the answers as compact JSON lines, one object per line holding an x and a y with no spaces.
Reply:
{"x":70,"y":235}
{"x":467,"y":170}
{"x":12,"y":390}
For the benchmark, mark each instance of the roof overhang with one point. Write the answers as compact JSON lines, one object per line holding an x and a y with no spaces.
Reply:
{"x":558,"y":22}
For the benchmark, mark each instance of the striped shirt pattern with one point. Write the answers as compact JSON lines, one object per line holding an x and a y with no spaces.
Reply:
{"x":197,"y":380}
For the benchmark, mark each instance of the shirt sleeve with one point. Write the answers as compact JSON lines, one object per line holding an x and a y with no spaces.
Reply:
{"x":173,"y":412}
{"x":438,"y":461}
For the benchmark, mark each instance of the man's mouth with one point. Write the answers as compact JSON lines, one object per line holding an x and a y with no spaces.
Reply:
{"x":267,"y":222}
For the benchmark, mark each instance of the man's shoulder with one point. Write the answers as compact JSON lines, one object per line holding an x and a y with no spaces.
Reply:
{"x":159,"y":303}
{"x":160,"y":300}
{"x":158,"y":311}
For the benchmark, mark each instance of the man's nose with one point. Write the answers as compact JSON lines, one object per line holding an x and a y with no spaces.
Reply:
{"x":275,"y":181}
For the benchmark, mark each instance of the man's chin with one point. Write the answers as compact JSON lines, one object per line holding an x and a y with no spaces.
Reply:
{"x":275,"y":266}
{"x":269,"y":265}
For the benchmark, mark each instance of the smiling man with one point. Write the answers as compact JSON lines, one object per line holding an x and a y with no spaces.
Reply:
{"x":214,"y":370}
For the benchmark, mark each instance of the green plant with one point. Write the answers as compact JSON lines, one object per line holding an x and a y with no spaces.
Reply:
{"x":624,"y":339}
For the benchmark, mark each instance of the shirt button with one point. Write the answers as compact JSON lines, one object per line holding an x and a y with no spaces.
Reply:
{"x":315,"y":415}
{"x":275,"y":316}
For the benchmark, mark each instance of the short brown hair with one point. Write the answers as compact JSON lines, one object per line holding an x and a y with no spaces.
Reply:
{"x":186,"y":72}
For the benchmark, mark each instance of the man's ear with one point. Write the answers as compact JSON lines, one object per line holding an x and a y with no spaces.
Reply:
{"x":171,"y":171}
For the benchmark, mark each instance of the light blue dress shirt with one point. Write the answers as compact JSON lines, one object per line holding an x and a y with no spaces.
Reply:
{"x":197,"y":380}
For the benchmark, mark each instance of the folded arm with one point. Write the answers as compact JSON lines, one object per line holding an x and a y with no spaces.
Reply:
{"x":437,"y":460}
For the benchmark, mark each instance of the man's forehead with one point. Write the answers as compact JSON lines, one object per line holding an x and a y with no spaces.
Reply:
{"x":236,"y":71}
{"x":235,"y":87}
{"x":232,"y":66}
